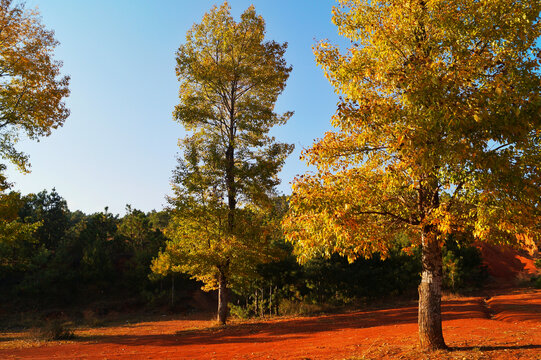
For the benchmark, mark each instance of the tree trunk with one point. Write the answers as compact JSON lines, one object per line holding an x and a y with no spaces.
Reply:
{"x":256,"y":303}
{"x":223,"y":298}
{"x":172,"y":289}
{"x":276,"y":302}
{"x":231,"y":190}
{"x":262,"y":307}
{"x":270,"y":300}
{"x":430,"y":331}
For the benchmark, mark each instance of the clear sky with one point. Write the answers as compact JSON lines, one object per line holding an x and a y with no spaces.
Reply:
{"x":119,"y":144}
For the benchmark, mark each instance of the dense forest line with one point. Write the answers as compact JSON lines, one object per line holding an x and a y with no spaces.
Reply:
{"x":104,"y":260}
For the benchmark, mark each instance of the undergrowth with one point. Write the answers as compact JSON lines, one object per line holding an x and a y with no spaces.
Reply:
{"x":56,"y":329}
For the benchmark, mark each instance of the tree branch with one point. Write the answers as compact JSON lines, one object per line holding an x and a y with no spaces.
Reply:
{"x":386,"y":213}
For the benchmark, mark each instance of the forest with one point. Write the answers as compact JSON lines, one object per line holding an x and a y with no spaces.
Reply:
{"x":75,"y":260}
{"x":435,"y":149}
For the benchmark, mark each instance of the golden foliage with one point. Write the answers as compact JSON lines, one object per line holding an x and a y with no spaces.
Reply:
{"x":31,"y":89}
{"x":230,"y":78}
{"x":437,"y":129}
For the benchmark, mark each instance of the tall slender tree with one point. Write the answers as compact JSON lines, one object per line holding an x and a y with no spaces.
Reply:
{"x":230,"y":79}
{"x":438,"y":131}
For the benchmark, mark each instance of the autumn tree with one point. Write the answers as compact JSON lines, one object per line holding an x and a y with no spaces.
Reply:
{"x":437,"y":132}
{"x":31,"y":94}
{"x":31,"y":87}
{"x":230,"y":78}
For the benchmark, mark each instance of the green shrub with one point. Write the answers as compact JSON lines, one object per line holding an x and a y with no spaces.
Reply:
{"x":239,"y":311}
{"x":462,"y":265}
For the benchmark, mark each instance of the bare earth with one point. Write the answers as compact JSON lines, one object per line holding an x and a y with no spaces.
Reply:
{"x":506,"y":326}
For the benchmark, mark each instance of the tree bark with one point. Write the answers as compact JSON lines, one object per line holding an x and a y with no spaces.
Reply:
{"x":430,"y":330}
{"x":172,"y":289}
{"x":262,"y":307}
{"x":256,"y":303}
{"x":223,"y":298}
{"x":270,"y":300}
{"x":223,"y":292}
{"x":230,"y":184}
{"x":276,"y":302}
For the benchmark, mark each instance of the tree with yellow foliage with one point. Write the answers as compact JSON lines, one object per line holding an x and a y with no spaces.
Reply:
{"x":31,"y":94}
{"x":437,"y":131}
{"x":230,"y":80}
{"x":31,"y":88}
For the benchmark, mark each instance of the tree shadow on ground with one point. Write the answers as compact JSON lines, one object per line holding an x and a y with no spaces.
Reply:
{"x":494,"y":348}
{"x":284,"y":329}
{"x":526,"y":307}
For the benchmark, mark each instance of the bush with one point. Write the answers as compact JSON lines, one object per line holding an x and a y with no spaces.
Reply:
{"x":462,"y":265}
{"x":537,"y":282}
{"x":56,"y":330}
{"x":295,"y":307}
{"x":239,"y":311}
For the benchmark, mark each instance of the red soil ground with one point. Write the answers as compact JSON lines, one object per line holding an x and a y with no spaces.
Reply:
{"x":506,"y":264}
{"x":506,"y":326}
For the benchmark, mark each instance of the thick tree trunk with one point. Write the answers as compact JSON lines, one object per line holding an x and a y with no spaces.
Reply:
{"x":223,"y":298}
{"x":430,"y":331}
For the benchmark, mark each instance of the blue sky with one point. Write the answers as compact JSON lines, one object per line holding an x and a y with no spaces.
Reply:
{"x":119,"y":145}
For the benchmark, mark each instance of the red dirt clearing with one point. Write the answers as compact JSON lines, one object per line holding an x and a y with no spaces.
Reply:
{"x":505,"y":263}
{"x":506,"y":326}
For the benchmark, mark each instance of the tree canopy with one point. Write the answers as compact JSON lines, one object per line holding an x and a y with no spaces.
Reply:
{"x":437,"y":132}
{"x":31,"y":87}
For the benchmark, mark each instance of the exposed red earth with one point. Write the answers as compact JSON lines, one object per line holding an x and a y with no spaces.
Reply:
{"x":507,"y":264}
{"x":506,"y":326}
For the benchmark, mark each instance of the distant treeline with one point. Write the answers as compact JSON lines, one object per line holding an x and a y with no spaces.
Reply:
{"x":73,"y":257}
{"x":53,"y":257}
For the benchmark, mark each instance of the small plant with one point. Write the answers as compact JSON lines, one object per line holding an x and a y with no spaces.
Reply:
{"x":290,"y":307}
{"x":56,"y":330}
{"x":239,"y":312}
{"x":462,"y":265}
{"x":536,"y":282}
